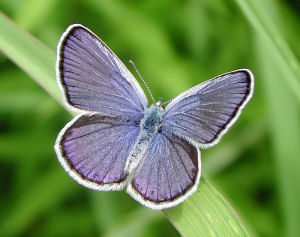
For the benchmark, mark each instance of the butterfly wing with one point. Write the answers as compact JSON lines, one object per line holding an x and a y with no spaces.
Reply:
{"x":93,"y":78}
{"x":170,"y":172}
{"x":94,"y":149}
{"x":204,"y":113}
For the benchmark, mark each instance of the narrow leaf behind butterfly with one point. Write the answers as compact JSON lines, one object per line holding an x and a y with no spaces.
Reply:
{"x":208,"y":205}
{"x":205,"y":211}
{"x":285,"y":60}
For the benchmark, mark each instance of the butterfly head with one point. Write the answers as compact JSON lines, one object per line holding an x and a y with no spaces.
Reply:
{"x":158,"y":104}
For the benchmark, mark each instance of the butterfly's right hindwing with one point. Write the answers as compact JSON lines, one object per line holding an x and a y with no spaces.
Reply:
{"x":169,"y":172}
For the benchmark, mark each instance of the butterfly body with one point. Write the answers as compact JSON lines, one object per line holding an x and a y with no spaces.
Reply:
{"x":149,"y":126}
{"x":118,"y":142}
{"x":152,"y":119}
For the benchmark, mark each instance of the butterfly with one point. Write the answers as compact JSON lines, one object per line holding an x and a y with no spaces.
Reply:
{"x":117,"y":141}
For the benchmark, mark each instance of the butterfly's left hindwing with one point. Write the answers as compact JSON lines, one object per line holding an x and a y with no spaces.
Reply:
{"x":94,"y":149}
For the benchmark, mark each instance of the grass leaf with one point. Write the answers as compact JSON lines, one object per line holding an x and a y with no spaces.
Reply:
{"x":281,"y":73}
{"x":206,"y":213}
{"x":34,"y":58}
{"x":24,"y":212}
{"x":282,"y":56}
{"x":285,"y":128}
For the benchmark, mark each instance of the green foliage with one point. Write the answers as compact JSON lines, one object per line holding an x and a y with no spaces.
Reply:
{"x":30,"y":55}
{"x":175,"y":45}
{"x":206,"y":213}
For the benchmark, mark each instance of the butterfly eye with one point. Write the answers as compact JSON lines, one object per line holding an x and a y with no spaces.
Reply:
{"x":137,"y":123}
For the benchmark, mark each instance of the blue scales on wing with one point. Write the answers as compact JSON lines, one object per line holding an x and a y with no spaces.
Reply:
{"x":96,"y":148}
{"x":94,"y":79}
{"x":169,"y":172}
{"x":203,"y":113}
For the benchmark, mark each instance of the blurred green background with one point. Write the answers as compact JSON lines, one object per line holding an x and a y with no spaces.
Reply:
{"x":175,"y":45}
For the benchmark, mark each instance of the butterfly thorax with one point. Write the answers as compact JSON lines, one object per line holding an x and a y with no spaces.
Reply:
{"x":152,"y":119}
{"x":149,"y":126}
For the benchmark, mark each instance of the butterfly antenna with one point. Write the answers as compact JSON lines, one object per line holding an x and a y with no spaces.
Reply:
{"x":138,"y":73}
{"x":166,"y":102}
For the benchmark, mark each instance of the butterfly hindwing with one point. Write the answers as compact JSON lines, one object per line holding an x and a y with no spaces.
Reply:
{"x":93,"y":78}
{"x":203,"y":113}
{"x":169,"y":173}
{"x":94,"y":149}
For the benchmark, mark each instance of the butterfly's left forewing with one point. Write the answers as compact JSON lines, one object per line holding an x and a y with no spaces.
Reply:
{"x":169,"y":173}
{"x":92,"y":78}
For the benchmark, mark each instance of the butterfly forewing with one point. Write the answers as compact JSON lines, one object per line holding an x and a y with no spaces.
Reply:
{"x":94,"y":79}
{"x":203,"y":113}
{"x":169,"y":173}
{"x":94,"y":150}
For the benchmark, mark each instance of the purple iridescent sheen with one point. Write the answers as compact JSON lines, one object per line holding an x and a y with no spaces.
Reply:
{"x":169,"y":169}
{"x":208,"y":107}
{"x":94,"y":78}
{"x":97,"y":147}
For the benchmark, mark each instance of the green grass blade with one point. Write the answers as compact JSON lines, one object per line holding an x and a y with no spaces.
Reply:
{"x":285,"y":128}
{"x":30,"y":19}
{"x":134,"y":223}
{"x":281,"y":73}
{"x":206,"y":212}
{"x":29,"y":54}
{"x":282,"y":55}
{"x":47,"y":195}
{"x":220,"y":157}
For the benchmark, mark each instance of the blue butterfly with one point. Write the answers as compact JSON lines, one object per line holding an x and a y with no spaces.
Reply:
{"x":117,"y":141}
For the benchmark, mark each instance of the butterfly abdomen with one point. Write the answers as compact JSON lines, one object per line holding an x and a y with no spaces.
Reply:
{"x":149,"y":125}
